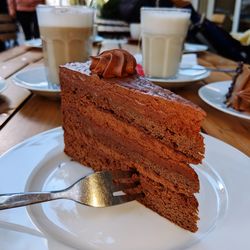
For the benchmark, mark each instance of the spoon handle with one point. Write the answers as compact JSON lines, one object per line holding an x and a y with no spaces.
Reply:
{"x":210,"y":69}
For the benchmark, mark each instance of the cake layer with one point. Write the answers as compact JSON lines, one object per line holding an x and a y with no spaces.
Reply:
{"x":80,"y":140}
{"x":169,"y":118}
{"x":106,"y":125}
{"x":127,"y":140}
{"x":176,"y":207}
{"x":87,"y":108}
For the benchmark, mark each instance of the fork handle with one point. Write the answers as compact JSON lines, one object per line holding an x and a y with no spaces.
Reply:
{"x":22,"y":199}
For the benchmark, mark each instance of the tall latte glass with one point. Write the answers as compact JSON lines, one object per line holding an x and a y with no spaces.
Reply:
{"x":66,"y":36}
{"x":163,"y":32}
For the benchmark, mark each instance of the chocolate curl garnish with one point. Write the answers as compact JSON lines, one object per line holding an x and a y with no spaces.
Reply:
{"x":113,"y":63}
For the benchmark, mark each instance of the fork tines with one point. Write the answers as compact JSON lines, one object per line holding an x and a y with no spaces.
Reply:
{"x":124,"y":186}
{"x":119,"y":199}
{"x":121,"y":174}
{"x":118,"y":180}
{"x":123,"y":180}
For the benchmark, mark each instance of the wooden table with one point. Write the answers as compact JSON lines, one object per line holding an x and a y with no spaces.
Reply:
{"x":23,"y":114}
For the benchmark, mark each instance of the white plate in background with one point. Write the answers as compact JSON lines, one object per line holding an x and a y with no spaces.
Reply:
{"x":39,"y":163}
{"x":214,"y":95}
{"x":193,"y":47}
{"x":35,"y":43}
{"x":34,"y":79}
{"x":3,"y":85}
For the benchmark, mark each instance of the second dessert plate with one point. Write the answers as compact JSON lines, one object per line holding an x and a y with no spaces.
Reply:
{"x":34,"y":79}
{"x":214,"y":95}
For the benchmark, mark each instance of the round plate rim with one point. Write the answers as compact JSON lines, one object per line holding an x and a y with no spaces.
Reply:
{"x":224,"y":110}
{"x":58,"y":131}
{"x":3,"y":85}
{"x":23,"y":84}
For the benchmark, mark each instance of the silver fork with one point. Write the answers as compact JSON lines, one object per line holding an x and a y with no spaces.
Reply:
{"x":95,"y":190}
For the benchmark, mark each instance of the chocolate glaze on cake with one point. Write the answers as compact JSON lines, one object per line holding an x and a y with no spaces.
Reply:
{"x":129,"y":123}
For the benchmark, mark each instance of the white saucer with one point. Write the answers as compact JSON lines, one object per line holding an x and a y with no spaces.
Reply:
{"x":183,"y":78}
{"x":39,"y":163}
{"x":214,"y":95}
{"x":3,"y":85}
{"x":34,"y":79}
{"x":188,"y":73}
{"x":193,"y":47}
{"x":37,"y":43}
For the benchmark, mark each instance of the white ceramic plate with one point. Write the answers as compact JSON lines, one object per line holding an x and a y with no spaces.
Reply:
{"x":184,"y":77}
{"x":40,"y":164}
{"x":3,"y":85}
{"x":193,"y":47}
{"x":214,"y":95}
{"x":35,"y":43}
{"x":188,"y":73}
{"x":34,"y":79}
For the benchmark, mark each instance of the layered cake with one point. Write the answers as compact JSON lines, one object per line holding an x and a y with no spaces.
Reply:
{"x":238,"y":96}
{"x":116,"y":119}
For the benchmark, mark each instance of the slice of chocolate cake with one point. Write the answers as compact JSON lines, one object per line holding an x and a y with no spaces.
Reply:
{"x":115,"y":119}
{"x":238,"y":96}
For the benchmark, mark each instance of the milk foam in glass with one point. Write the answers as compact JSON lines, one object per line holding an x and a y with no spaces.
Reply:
{"x":66,"y":36}
{"x":163,"y":32}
